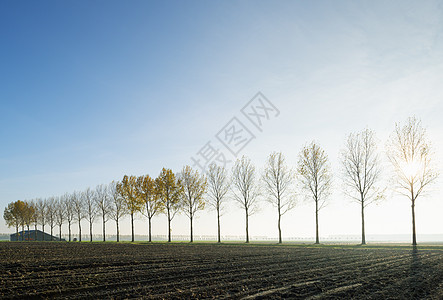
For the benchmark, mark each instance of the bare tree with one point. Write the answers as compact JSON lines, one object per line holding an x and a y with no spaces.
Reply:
{"x":60,"y":214}
{"x":79,"y":211}
{"x":103,"y":203}
{"x":313,"y":168}
{"x":246,"y":189}
{"x":118,"y":207}
{"x":218,"y":187}
{"x":91,"y":208}
{"x":149,"y":195}
{"x":194,"y":187}
{"x":51,"y":213}
{"x":69,"y":206}
{"x":170,"y":191}
{"x":41,"y":213}
{"x":361,"y":171}
{"x":278,"y":179}
{"x":409,"y":151}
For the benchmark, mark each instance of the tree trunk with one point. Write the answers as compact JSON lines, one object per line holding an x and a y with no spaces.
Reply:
{"x":363,"y":237}
{"x":132,"y":226}
{"x":169,"y":227}
{"x":43,"y":229}
{"x":149,"y":221}
{"x":29,"y":234}
{"x":16,"y":233}
{"x":192,"y":234}
{"x":90,"y":230}
{"x":118,"y":231}
{"x":35,"y":232}
{"x":218,"y":224}
{"x":247,"y":226}
{"x":23,"y":232}
{"x":69,"y":230}
{"x":79,"y":231}
{"x":279,"y":226}
{"x":414,"y":238}
{"x":317,"y":240}
{"x":52,"y":227}
{"x":60,"y":232}
{"x":104,"y":229}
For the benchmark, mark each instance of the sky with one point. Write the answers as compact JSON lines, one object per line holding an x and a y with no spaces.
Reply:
{"x":93,"y":90}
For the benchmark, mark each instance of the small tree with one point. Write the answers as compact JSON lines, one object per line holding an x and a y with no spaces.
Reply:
{"x":79,"y":211}
{"x":314,"y":171}
{"x":194,"y":187}
{"x":91,"y":208}
{"x":28,"y":216}
{"x":409,"y":151}
{"x":41,"y":213}
{"x":68,"y":204}
{"x":246,"y":190}
{"x":149,"y":195}
{"x":278,"y":179}
{"x":132,"y":200}
{"x":170,"y":191}
{"x":103,"y":203}
{"x":51,"y":213}
{"x":218,"y":187}
{"x":60,"y":214}
{"x":361,"y":171}
{"x":118,"y":207}
{"x":12,"y":217}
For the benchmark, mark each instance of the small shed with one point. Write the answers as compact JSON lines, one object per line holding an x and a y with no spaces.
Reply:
{"x":33,"y":235}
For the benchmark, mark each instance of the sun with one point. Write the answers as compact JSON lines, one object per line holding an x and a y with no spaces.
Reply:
{"x":411,"y":169}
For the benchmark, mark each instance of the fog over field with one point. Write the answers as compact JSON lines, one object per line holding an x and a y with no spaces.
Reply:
{"x":93,"y":91}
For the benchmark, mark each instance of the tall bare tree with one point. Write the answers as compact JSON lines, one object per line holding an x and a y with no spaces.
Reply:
{"x":315,"y":176}
{"x":79,"y":210}
{"x":41,"y":213}
{"x":149,"y":195}
{"x":218,"y":187}
{"x":278,"y":179}
{"x":245,"y":188}
{"x":118,"y":207}
{"x":194,"y":188}
{"x":132,"y":200}
{"x":51,"y":213}
{"x":91,"y":208}
{"x":103,"y":202}
{"x":410,"y":153}
{"x":60,"y":214}
{"x":361,"y":171}
{"x":68,"y":204}
{"x":170,"y":191}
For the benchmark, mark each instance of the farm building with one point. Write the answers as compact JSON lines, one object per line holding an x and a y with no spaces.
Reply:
{"x":33,"y":235}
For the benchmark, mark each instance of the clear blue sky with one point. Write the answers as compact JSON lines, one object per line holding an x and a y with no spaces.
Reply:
{"x":93,"y":90}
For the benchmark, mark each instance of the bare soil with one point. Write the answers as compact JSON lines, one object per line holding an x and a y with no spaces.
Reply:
{"x":181,"y":271}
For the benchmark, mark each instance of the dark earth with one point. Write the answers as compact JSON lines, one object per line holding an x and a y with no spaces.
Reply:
{"x":182,"y":270}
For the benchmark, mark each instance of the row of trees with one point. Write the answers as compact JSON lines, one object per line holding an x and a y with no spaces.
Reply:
{"x":189,"y":192}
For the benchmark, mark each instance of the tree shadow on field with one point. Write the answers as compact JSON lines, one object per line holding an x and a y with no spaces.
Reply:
{"x":417,"y":286}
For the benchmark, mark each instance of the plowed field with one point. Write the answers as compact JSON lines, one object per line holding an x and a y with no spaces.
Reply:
{"x":111,"y":270}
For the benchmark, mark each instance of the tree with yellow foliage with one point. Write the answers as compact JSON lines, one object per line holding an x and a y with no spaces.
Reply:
{"x":170,"y":191}
{"x":133,"y":202}
{"x":147,"y":191}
